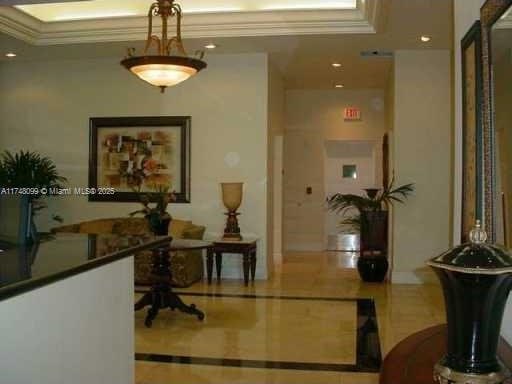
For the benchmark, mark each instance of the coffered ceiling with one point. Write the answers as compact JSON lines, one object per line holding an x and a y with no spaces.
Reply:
{"x":125,"y":20}
{"x":117,"y":8}
{"x":302,"y":44}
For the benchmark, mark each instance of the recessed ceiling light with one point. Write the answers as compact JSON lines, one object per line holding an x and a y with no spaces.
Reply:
{"x":10,"y":54}
{"x":210,"y":46}
{"x":336,"y":65}
{"x":425,"y":39}
{"x":339,"y":86}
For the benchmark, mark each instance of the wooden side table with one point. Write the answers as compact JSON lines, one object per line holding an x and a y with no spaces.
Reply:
{"x":245,"y":247}
{"x":412,"y":360}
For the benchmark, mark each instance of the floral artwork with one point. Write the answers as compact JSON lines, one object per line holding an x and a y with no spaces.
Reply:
{"x":138,"y":159}
{"x":132,"y":158}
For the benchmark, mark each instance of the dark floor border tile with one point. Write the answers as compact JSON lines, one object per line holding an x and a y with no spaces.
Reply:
{"x":240,"y":363}
{"x":368,"y":353}
{"x":254,"y":296}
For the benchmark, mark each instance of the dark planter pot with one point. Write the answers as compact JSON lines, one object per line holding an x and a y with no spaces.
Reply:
{"x":160,"y":227}
{"x":372,"y":269}
{"x":374,"y":231}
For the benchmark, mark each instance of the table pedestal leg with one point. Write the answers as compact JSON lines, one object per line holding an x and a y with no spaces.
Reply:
{"x":161,"y":295}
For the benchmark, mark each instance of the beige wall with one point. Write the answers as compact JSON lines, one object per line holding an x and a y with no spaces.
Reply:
{"x":48,"y":105}
{"x":312,"y":117}
{"x":422,"y":155}
{"x":276,"y":96}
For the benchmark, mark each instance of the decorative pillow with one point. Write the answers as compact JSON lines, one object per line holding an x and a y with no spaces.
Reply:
{"x":177,"y":227}
{"x":195,"y":232}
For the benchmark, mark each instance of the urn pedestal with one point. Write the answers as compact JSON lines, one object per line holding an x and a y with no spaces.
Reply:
{"x":476,"y":279}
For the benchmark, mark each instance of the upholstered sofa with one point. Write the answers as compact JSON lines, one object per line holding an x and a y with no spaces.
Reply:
{"x":186,"y":266}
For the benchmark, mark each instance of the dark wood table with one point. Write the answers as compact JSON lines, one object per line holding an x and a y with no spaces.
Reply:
{"x":161,"y":295}
{"x":413,"y":359}
{"x":245,"y":247}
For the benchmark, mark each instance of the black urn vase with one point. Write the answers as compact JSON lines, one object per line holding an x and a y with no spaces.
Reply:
{"x":159,"y":226}
{"x":476,"y":279}
{"x":372,"y":267}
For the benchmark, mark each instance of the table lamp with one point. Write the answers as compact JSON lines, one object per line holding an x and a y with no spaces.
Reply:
{"x":232,"y":198}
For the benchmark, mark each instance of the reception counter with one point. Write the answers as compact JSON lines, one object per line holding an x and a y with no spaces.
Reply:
{"x":66,"y":310}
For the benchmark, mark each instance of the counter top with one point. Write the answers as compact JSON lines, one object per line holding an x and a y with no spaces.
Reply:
{"x":25,"y":268}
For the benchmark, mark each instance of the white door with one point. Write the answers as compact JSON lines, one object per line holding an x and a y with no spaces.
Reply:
{"x":350,"y":167}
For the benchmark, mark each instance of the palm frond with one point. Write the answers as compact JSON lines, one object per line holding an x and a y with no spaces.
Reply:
{"x":26,"y":169}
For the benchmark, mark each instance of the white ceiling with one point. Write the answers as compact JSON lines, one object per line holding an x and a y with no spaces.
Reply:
{"x":304,"y":60}
{"x":117,"y":8}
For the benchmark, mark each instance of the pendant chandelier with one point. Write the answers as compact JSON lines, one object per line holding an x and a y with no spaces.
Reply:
{"x":164,"y":70}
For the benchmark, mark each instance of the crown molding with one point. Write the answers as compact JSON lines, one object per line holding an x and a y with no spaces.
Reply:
{"x":19,"y":25}
{"x":228,"y":24}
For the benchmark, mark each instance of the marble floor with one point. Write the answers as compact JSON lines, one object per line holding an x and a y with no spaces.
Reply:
{"x":313,"y":322}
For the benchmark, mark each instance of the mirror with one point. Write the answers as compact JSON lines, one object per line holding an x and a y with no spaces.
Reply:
{"x":501,"y":76}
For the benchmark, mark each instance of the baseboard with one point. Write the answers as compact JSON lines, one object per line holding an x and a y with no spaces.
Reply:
{"x":421,"y":276}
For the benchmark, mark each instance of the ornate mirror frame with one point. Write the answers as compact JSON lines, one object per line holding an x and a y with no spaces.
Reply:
{"x":490,"y":12}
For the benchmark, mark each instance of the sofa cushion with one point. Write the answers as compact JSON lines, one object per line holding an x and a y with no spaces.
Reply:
{"x":97,"y":226}
{"x":195,"y":232}
{"x":177,"y":227}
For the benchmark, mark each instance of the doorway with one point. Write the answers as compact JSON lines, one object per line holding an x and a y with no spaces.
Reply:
{"x":350,"y":167}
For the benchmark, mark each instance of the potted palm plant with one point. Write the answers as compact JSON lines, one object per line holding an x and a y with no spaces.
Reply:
{"x":157,"y":216}
{"x":29,"y":173}
{"x":371,"y":220}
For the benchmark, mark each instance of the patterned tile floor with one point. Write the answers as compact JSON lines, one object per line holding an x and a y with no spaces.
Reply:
{"x":256,"y":335}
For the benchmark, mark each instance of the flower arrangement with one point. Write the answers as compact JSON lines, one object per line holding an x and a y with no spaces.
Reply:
{"x":156,"y":215}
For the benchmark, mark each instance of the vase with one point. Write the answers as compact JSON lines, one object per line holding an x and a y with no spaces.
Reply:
{"x":476,"y":278}
{"x":372,"y":269}
{"x":160,"y":227}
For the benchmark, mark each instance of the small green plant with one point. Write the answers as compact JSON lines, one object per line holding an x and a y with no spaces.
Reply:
{"x":26,"y":169}
{"x":375,"y":201}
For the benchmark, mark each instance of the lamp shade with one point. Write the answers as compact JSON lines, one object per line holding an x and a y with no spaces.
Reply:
{"x":163,"y":71}
{"x":232,"y":195}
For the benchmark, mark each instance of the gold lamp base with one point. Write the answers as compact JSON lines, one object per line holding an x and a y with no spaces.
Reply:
{"x":232,"y":230}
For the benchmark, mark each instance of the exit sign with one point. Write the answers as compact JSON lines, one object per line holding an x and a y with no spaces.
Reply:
{"x":351,"y":114}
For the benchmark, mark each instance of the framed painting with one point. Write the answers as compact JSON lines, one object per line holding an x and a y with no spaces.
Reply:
{"x":472,"y":133}
{"x":129,"y":155}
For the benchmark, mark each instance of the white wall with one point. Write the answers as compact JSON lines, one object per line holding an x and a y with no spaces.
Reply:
{"x":278,"y":198}
{"x":422,"y":155}
{"x":78,"y":330}
{"x":48,"y":105}
{"x":313,"y":117}
{"x":276,"y":97}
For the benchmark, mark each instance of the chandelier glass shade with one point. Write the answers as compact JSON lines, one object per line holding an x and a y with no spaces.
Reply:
{"x":164,"y":70}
